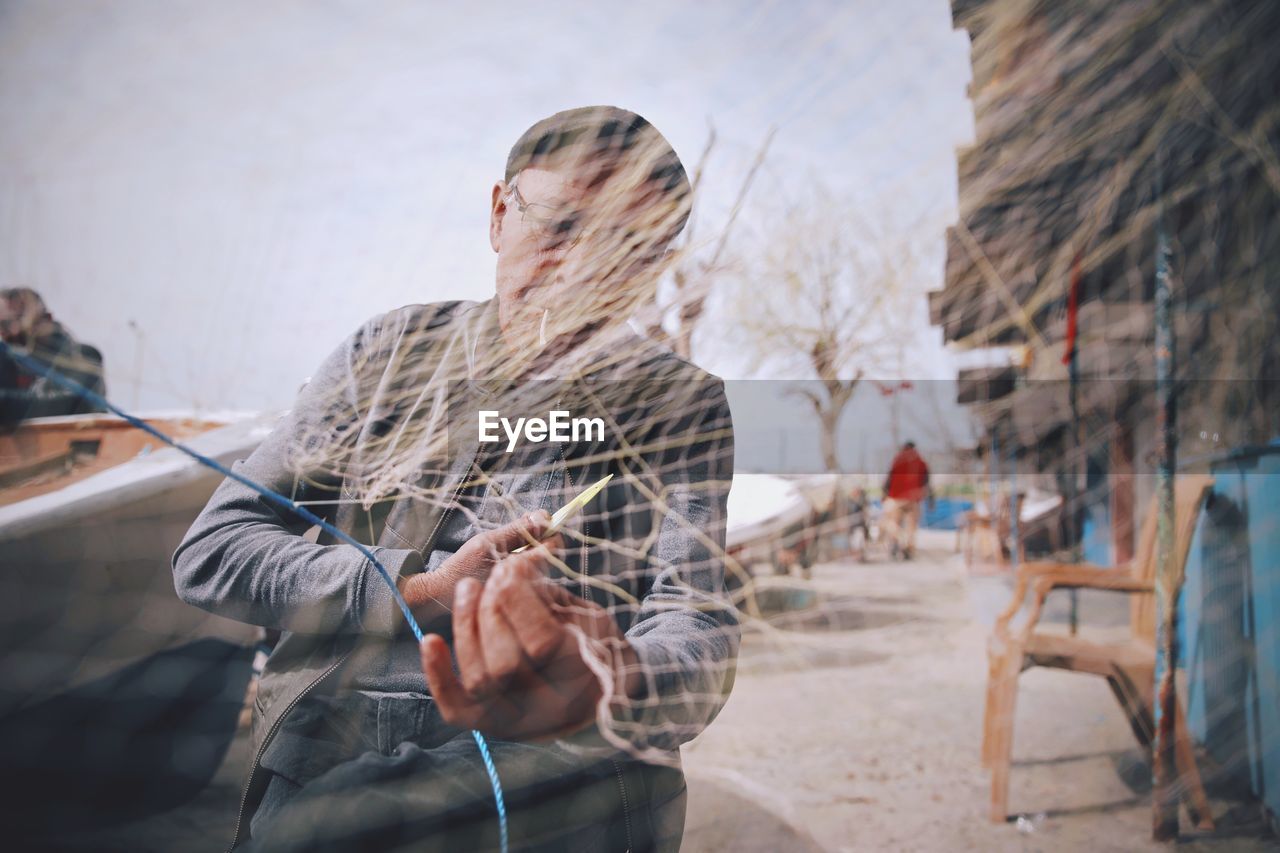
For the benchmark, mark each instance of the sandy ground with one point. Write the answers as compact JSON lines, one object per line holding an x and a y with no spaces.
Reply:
{"x":863,"y":733}
{"x":858,"y":728}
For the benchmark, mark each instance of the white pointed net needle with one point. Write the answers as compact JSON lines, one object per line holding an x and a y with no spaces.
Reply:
{"x":570,"y":509}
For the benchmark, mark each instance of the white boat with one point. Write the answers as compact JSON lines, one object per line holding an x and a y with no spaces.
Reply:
{"x":91,"y":509}
{"x":116,"y":698}
{"x":761,"y":508}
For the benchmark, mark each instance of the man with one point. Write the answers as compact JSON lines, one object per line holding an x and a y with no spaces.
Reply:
{"x":25,"y":323}
{"x":904,"y":489}
{"x":586,"y":659}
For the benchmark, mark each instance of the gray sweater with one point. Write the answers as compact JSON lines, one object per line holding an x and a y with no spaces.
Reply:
{"x":651,"y":544}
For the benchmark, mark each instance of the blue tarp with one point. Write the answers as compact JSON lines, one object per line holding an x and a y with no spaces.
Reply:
{"x":1229,"y":625}
{"x":945,"y":513}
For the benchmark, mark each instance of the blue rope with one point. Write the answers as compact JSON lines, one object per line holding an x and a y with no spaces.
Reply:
{"x":495,"y":784}
{"x":280,"y":500}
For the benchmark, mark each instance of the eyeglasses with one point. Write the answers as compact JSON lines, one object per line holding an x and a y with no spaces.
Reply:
{"x":553,"y":226}
{"x":558,"y":229}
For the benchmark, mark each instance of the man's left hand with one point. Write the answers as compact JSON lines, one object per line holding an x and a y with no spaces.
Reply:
{"x":521,"y":674}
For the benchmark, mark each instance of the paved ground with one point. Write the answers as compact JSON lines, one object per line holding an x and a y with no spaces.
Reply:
{"x":860,"y":729}
{"x":857,"y":728}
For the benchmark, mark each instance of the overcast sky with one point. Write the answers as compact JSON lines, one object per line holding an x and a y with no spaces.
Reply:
{"x":215,"y":194}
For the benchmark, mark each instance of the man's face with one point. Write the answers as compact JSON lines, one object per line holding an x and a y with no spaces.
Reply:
{"x":569,"y":248}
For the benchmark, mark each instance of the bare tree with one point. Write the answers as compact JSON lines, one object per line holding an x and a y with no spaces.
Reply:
{"x":698,"y":264}
{"x":829,"y":301}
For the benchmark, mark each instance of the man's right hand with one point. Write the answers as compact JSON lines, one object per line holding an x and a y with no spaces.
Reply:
{"x":430,"y":594}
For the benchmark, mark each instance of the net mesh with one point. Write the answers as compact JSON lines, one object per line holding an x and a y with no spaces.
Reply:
{"x":1099,"y":128}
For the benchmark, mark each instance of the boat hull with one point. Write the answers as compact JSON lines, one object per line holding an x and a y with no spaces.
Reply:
{"x":86,"y":586}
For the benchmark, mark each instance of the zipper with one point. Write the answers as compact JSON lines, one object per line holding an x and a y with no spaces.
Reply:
{"x":584,"y":591}
{"x":244,"y":796}
{"x":626,"y":807}
{"x":453,"y":502}
{"x":586,"y":596}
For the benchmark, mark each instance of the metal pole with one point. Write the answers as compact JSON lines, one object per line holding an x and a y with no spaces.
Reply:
{"x":1073,"y":475}
{"x":1014,"y":509}
{"x":893,"y":419}
{"x":1164,"y":825}
{"x":993,"y":475}
{"x":137,"y":362}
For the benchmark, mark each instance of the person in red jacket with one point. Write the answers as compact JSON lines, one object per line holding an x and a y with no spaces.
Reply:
{"x":905,"y":489}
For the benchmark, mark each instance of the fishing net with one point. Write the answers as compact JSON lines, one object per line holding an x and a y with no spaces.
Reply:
{"x":812,"y":251}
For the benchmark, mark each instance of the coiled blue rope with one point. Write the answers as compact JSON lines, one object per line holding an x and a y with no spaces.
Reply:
{"x":280,"y":500}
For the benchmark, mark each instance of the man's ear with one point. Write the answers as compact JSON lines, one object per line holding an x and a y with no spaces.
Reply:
{"x":497,"y":211}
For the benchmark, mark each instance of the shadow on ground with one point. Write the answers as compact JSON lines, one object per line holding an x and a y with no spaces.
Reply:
{"x":720,"y":818}
{"x":842,"y":613}
{"x":757,"y":659}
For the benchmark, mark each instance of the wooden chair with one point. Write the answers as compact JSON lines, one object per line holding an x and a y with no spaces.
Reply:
{"x":1128,"y":666}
